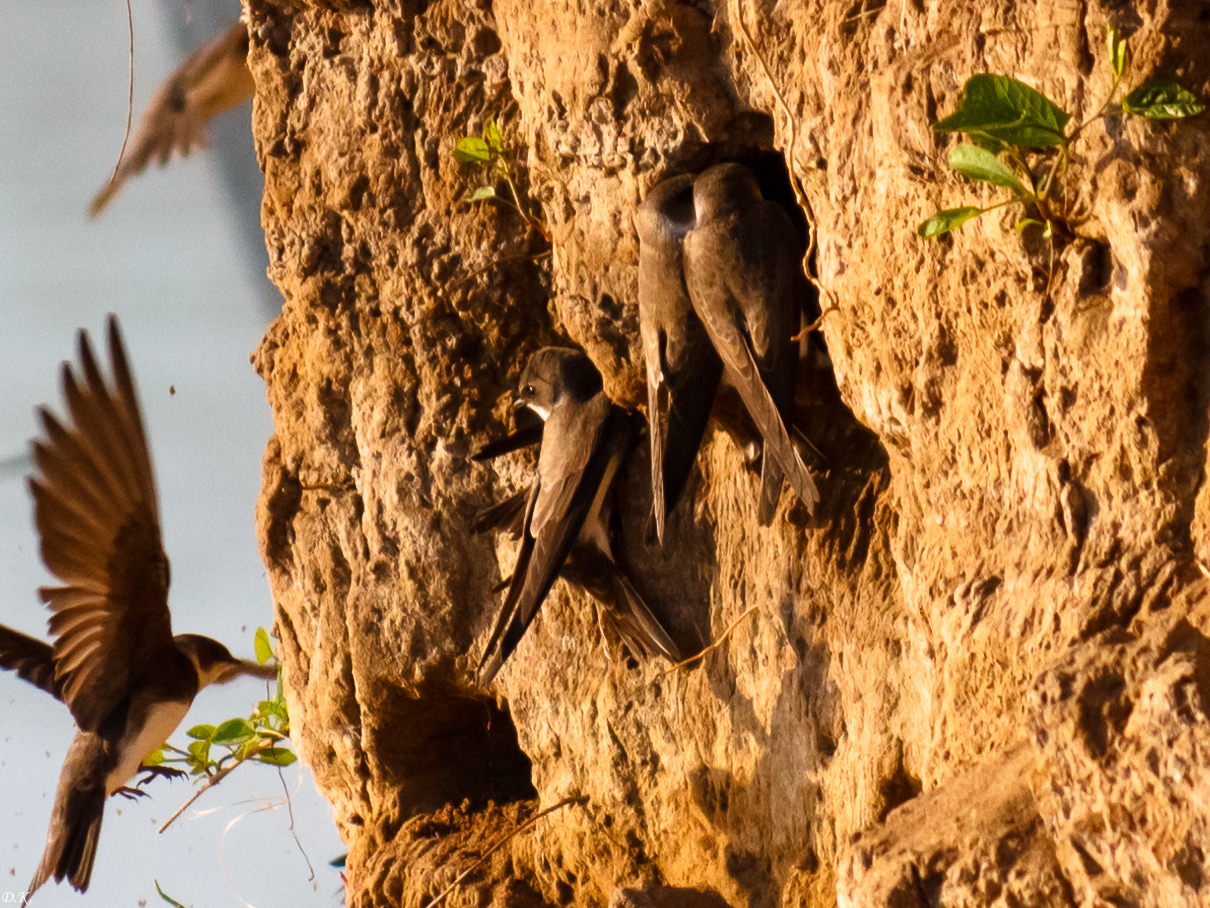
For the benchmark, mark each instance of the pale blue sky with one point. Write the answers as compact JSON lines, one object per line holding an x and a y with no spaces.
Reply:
{"x":166,"y":257}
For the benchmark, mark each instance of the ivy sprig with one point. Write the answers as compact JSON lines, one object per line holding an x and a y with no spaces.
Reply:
{"x":1011,"y":126}
{"x":259,"y":738}
{"x":489,"y":153}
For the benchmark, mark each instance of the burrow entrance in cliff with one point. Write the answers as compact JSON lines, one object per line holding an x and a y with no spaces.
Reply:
{"x":443,"y":747}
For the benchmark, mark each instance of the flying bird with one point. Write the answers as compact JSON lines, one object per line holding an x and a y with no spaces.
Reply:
{"x":566,"y":524}
{"x":213,"y":80}
{"x":115,"y":662}
{"x":745,"y":282}
{"x":683,"y":369}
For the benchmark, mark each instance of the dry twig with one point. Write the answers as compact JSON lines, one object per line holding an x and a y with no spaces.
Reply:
{"x":713,"y":646}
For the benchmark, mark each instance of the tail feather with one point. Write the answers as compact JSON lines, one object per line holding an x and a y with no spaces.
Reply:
{"x":75,"y":822}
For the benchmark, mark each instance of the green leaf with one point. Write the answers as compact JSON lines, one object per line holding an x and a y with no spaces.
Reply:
{"x":987,"y":143}
{"x":979,"y":164}
{"x":1004,"y":110}
{"x":481,"y":194}
{"x":945,"y":221}
{"x":276,"y":756}
{"x":166,"y":897}
{"x":232,"y":731}
{"x":201,"y":732}
{"x":492,"y":135}
{"x":472,"y":150}
{"x":1048,"y":226}
{"x":200,"y":751}
{"x":155,"y":758}
{"x":1117,"y":51}
{"x":264,"y":649}
{"x":1161,"y":99}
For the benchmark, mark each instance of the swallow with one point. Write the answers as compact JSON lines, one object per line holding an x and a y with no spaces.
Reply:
{"x":746,"y":284}
{"x":212,"y":81}
{"x":585,"y":439}
{"x":683,"y":369}
{"x":115,"y":662}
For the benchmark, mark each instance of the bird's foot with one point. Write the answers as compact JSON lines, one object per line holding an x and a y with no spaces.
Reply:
{"x":159,"y":770}
{"x":131,"y":794}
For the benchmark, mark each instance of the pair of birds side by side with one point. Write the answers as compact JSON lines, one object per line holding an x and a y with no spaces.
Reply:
{"x":720,"y":290}
{"x":115,"y":662}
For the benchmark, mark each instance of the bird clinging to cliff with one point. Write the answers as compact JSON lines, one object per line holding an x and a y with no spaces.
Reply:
{"x":126,"y":679}
{"x":584,"y":441}
{"x":745,"y":282}
{"x":683,"y":369}
{"x":213,"y":80}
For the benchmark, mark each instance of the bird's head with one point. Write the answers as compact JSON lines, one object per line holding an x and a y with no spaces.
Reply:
{"x":554,"y":374}
{"x":724,"y":188}
{"x":214,"y":662}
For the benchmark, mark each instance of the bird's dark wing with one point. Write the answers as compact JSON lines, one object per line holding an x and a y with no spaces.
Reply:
{"x":661,"y":222}
{"x":31,"y":659}
{"x":214,"y":79}
{"x":636,"y":624}
{"x":514,"y":441}
{"x":504,"y":515}
{"x":736,"y":289}
{"x":494,"y":654}
{"x":96,"y":513}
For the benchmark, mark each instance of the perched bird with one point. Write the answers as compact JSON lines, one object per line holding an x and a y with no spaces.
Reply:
{"x":126,"y":679}
{"x":584,"y":441}
{"x":683,"y":369}
{"x":745,"y":282}
{"x":213,"y":80}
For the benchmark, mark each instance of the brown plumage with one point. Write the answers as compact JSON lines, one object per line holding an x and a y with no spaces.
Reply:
{"x":213,"y":80}
{"x":115,"y":662}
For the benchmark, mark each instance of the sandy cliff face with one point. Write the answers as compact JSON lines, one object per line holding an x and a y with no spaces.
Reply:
{"x":978,"y":675}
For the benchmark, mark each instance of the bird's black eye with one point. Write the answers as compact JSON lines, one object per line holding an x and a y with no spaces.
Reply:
{"x":528,"y":391}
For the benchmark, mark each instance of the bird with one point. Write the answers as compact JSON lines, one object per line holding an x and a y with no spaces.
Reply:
{"x":683,"y":369}
{"x":745,"y":282}
{"x":585,"y":439}
{"x":115,"y":662}
{"x":214,"y":79}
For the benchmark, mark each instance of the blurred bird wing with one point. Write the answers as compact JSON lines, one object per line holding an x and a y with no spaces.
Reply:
{"x":96,"y":513}
{"x":733,"y":270}
{"x":214,"y":79}
{"x":32,"y":659}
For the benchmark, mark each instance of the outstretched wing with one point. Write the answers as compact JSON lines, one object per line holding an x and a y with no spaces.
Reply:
{"x":214,"y":79}
{"x":96,"y":513}
{"x":32,"y":659}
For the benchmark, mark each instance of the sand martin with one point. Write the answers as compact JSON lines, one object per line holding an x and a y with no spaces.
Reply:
{"x":115,"y":662}
{"x":584,"y":441}
{"x":743,"y":271}
{"x":683,"y":369}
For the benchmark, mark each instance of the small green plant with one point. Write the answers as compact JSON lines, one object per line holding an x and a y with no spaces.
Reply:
{"x":1013,"y":128}
{"x":489,"y":153}
{"x":259,"y":738}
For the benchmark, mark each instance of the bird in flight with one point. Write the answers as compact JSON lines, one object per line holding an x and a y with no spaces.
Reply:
{"x":115,"y":662}
{"x":213,"y":80}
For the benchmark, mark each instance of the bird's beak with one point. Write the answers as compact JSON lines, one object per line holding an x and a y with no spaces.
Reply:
{"x":232,"y":670}
{"x":520,"y":403}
